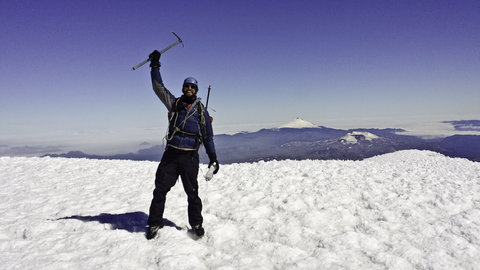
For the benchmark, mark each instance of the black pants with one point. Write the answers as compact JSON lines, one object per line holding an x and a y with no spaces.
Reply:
{"x":176,"y":163}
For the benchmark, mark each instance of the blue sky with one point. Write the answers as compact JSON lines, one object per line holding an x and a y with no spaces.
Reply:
{"x":66,"y":77}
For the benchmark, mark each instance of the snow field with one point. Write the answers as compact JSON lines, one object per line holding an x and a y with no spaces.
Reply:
{"x":405,"y":210}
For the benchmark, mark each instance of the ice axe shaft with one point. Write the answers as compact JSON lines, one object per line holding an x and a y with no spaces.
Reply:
{"x":208,"y":97}
{"x":162,"y":51}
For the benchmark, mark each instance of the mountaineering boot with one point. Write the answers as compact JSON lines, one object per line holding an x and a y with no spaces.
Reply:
{"x":152,"y":231}
{"x":198,"y":230}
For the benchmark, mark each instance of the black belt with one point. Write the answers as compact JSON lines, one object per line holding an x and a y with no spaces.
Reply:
{"x":185,"y":134}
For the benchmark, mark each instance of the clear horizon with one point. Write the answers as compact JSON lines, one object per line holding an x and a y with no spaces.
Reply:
{"x":67,"y":80}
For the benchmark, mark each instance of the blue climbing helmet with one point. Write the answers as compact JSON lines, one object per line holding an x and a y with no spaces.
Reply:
{"x":191,"y":80}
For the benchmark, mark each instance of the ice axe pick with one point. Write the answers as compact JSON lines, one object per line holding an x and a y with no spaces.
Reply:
{"x":162,"y":51}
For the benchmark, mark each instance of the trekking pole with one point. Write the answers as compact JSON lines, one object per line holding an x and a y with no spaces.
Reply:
{"x":162,"y":51}
{"x":208,"y":97}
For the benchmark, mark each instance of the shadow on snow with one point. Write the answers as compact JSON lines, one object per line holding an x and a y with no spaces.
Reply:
{"x":131,"y":222}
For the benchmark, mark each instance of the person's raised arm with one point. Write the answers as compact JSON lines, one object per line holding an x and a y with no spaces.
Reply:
{"x":157,"y":83}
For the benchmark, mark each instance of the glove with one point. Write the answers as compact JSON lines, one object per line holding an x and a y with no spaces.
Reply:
{"x":154,"y":59}
{"x":214,"y":162}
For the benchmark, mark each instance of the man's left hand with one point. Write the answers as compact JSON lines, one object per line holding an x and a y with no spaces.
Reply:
{"x":214,"y":162}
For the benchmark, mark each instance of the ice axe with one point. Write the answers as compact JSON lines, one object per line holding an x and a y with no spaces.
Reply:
{"x":162,"y":51}
{"x":208,"y":96}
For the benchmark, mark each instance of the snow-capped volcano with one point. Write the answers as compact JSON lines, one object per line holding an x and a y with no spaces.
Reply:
{"x":357,"y":136}
{"x":298,"y":123}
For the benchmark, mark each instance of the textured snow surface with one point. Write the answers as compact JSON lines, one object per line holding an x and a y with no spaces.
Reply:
{"x":405,"y":210}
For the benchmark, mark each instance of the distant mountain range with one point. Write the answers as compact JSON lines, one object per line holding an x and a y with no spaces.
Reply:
{"x":465,"y":125}
{"x":302,"y":140}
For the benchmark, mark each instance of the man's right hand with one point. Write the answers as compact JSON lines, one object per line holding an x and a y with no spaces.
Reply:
{"x":154,"y":59}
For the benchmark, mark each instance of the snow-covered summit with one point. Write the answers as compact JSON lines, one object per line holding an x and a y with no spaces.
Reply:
{"x":298,"y":123}
{"x":405,"y":210}
{"x":357,"y":136}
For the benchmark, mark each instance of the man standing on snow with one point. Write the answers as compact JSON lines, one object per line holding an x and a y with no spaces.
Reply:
{"x":190,"y":127}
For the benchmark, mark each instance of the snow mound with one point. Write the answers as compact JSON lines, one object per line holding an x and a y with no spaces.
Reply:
{"x":357,"y":136}
{"x":404,"y":210}
{"x":298,"y":123}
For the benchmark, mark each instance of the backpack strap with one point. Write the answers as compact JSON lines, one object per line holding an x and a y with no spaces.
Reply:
{"x":202,"y":124}
{"x":173,"y":128}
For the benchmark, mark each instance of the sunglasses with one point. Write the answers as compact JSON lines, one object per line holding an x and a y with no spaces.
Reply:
{"x":190,"y":85}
